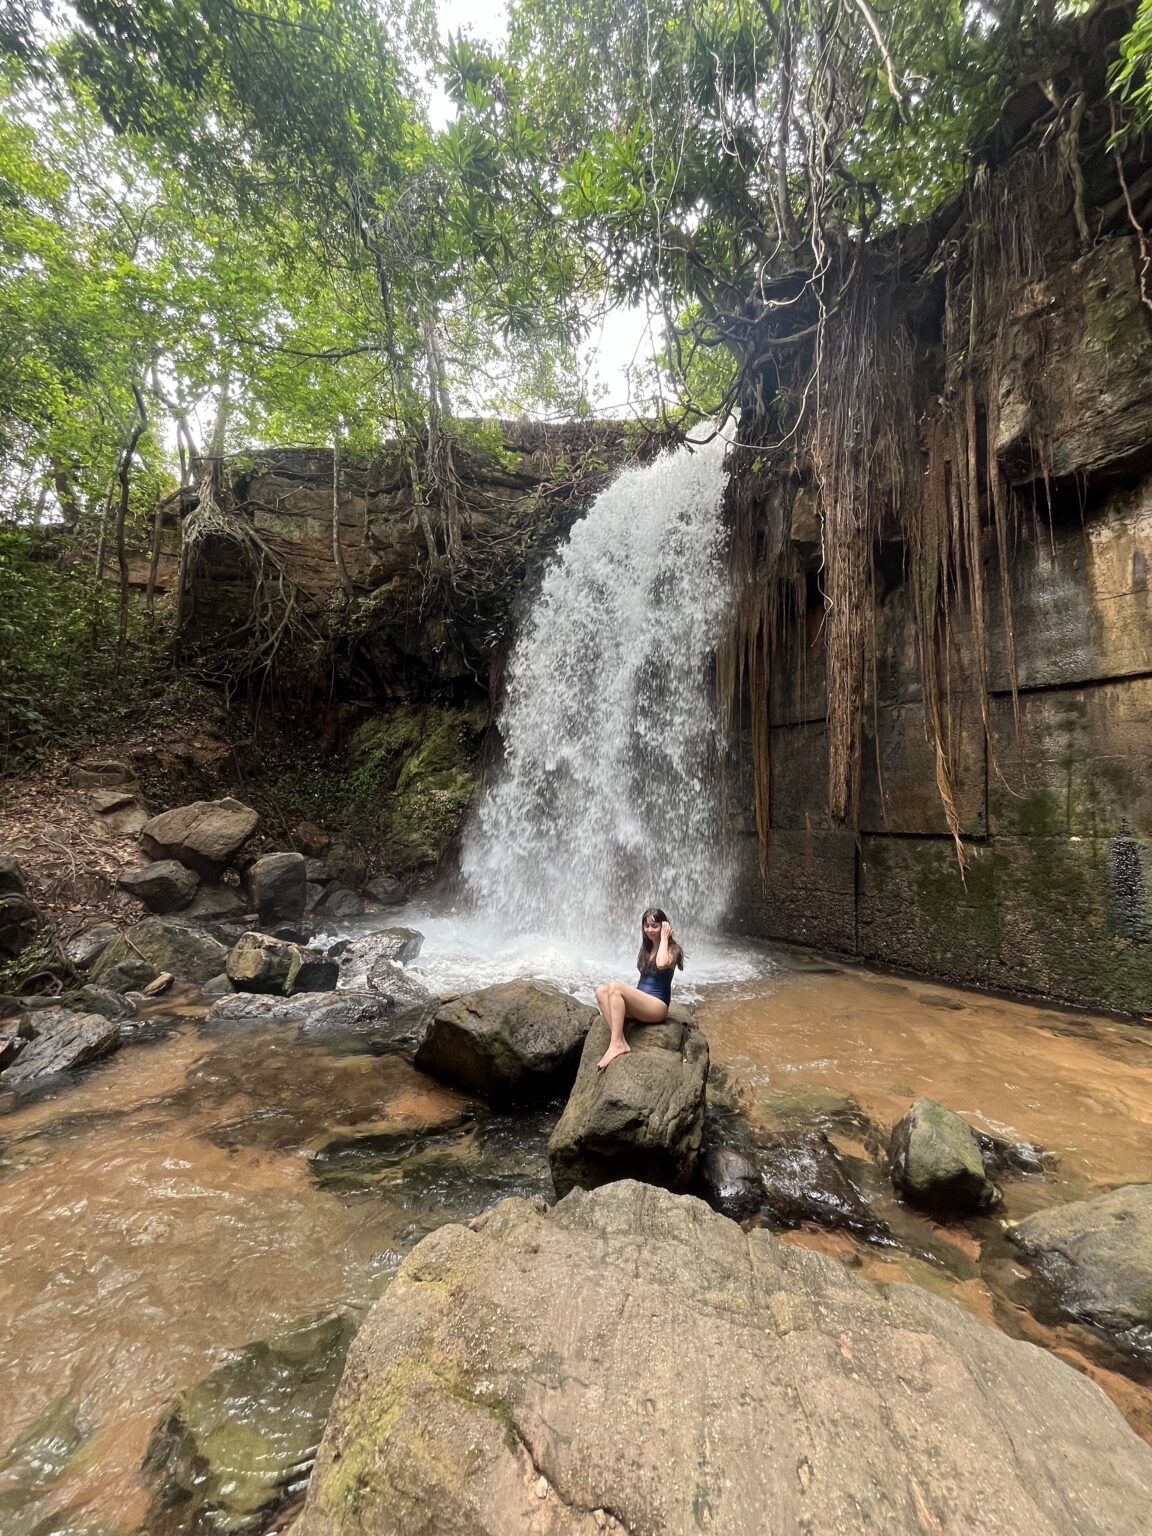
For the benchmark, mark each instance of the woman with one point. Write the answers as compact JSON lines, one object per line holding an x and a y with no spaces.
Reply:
{"x":647,"y":1003}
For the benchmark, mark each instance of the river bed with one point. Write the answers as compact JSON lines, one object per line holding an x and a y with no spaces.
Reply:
{"x":206,"y":1188}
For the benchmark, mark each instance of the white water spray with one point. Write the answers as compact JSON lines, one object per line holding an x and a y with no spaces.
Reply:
{"x":607,"y":799}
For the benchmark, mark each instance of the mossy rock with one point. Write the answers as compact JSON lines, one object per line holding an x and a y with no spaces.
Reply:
{"x":241,"y":1441}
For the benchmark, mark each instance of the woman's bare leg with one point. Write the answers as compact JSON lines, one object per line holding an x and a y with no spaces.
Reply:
{"x":625,"y":1002}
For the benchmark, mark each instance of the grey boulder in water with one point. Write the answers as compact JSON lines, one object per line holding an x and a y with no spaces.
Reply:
{"x":629,"y":1359}
{"x":519,"y":1041}
{"x":642,"y":1118}
{"x":1097,"y":1255}
{"x":61,"y":1040}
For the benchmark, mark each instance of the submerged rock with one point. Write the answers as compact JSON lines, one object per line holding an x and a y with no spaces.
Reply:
{"x":516,"y":1041}
{"x":642,"y":1118}
{"x":805,"y":1180}
{"x":162,"y":944}
{"x":205,"y":835}
{"x":936,"y":1162}
{"x":558,"y":1371}
{"x":167,"y":886}
{"x":1097,"y":1256}
{"x":237,"y":1444}
{"x":61,"y":1040}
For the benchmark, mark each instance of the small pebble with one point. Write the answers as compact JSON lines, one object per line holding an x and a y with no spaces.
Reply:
{"x":541,"y":1487}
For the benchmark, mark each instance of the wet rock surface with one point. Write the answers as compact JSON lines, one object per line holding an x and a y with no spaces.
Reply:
{"x":239,"y":1443}
{"x":936,"y":1162}
{"x":805,"y":1179}
{"x":260,"y":963}
{"x":394,"y":982}
{"x":357,"y":957}
{"x":730,"y":1183}
{"x":641,"y":1119}
{"x":835,"y":1404}
{"x":517,"y":1041}
{"x":87,"y":946}
{"x":1097,"y":1257}
{"x":61,"y":1040}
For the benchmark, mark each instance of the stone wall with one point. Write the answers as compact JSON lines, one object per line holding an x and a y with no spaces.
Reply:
{"x":1054,"y":796}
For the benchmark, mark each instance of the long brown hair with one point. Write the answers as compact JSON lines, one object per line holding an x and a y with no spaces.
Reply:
{"x":646,"y":959}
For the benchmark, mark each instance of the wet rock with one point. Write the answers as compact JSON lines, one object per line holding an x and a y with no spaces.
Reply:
{"x":1097,"y":1256}
{"x":812,"y":1106}
{"x":1003,"y":1156}
{"x":936,"y":1162}
{"x":317,"y":1013}
{"x":339,"y":901}
{"x":247,"y":1007}
{"x":166,"y":886}
{"x":805,"y":1180}
{"x":358,"y":956}
{"x":99,"y":774}
{"x":239,"y":1443}
{"x":385,"y":891}
{"x":205,"y":835}
{"x":19,"y":923}
{"x":730,"y":1183}
{"x":277,"y":882}
{"x":399,"y":986}
{"x":12,"y":879}
{"x":62,"y":1040}
{"x":517,"y":1041}
{"x":317,"y":973}
{"x":86,"y":948}
{"x":316,"y":871}
{"x":127,"y":975}
{"x":103,"y":1000}
{"x":643,"y":1117}
{"x":312,"y":894}
{"x":165,"y":945}
{"x":217,"y":986}
{"x":260,"y":963}
{"x":830,"y":1401}
{"x":34,"y":1463}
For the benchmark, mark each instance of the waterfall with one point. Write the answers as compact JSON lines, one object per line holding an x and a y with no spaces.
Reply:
{"x":607,"y":800}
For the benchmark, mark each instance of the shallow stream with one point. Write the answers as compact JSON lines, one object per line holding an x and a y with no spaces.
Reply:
{"x":206,"y":1188}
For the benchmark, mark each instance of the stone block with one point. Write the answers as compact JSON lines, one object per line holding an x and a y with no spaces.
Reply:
{"x":1081,"y":608}
{"x":1079,"y":766}
{"x":806,"y":893}
{"x":798,"y":796}
{"x":1074,"y":397}
{"x":1076,"y":918}
{"x":799,"y":674}
{"x":915,"y":911}
{"x":898,"y":791}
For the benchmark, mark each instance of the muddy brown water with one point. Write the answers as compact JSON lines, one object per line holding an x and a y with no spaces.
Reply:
{"x":172,"y":1204}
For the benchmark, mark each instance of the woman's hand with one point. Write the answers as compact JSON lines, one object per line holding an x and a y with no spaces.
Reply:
{"x":666,"y":930}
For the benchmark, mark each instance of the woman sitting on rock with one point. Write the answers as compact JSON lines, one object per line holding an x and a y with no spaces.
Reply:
{"x":648,"y":1002}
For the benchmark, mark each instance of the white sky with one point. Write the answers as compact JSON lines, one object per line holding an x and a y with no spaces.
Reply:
{"x":622,"y":341}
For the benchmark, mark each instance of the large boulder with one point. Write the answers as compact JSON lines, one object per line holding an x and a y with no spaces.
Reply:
{"x":278,"y":884}
{"x":643,"y":1118}
{"x":166,"y":886}
{"x":236,"y":1445}
{"x":629,"y":1359}
{"x":936,"y":1162}
{"x":1097,"y":1255}
{"x":260,"y":963}
{"x":317,"y":1013}
{"x":516,"y":1041}
{"x":805,"y":1179}
{"x":206,"y":835}
{"x":164,"y":945}
{"x":397,"y":984}
{"x":61,"y":1040}
{"x":385,"y":891}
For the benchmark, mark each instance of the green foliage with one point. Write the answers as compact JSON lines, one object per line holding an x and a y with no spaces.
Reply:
{"x":1132,"y":75}
{"x":63,"y":680}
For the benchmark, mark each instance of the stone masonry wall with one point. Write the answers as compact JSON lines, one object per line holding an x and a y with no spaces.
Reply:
{"x":1055,"y":805}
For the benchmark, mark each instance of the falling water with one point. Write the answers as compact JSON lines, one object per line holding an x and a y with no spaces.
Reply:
{"x":606,"y":801}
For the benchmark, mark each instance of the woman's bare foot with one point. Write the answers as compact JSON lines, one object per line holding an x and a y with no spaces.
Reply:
{"x":611,"y":1054}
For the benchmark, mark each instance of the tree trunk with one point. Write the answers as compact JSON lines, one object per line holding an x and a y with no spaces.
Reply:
{"x":337,"y":550}
{"x":122,"y":512}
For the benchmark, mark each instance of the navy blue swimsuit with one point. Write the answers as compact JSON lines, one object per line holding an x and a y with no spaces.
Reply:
{"x":657,"y":983}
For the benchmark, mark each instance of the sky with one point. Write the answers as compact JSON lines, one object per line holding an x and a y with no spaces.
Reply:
{"x":621,"y":341}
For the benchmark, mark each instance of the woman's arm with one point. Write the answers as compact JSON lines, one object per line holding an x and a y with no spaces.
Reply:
{"x":664,"y":951}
